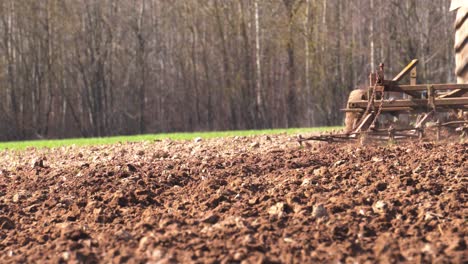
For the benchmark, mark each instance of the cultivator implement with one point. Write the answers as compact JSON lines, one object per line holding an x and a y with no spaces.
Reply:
{"x":388,"y":110}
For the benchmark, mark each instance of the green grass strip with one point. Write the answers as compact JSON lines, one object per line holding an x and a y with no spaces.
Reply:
{"x":53,"y":143}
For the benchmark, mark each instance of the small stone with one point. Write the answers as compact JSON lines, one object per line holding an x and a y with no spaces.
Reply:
{"x":427,"y":249}
{"x":33,"y":208}
{"x":288,"y":240}
{"x":255,"y":145}
{"x":305,"y":182}
{"x":253,"y":201}
{"x":319,"y":211}
{"x":377,"y":159}
{"x":238,"y":256}
{"x":428,"y":216}
{"x":39,"y":163}
{"x":322,"y":171}
{"x":18,"y":197}
{"x":124,"y":235}
{"x":379,"y":207}
{"x":277,"y":209}
{"x":417,"y":169}
{"x":338,"y":163}
{"x":66,"y":255}
{"x":157,"y":254}
{"x":248,"y":239}
{"x":143,"y":244}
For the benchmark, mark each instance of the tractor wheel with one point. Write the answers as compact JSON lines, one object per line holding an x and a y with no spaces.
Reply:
{"x":461,"y":45}
{"x":351,"y":118}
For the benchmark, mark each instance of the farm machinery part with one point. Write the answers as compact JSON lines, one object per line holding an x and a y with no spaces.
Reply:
{"x":387,"y":110}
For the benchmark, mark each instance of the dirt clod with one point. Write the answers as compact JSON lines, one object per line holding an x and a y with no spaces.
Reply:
{"x":211,"y":219}
{"x":319,"y":211}
{"x":6,"y":223}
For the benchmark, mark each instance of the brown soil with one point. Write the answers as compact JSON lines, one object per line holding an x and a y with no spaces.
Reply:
{"x":261,"y":199}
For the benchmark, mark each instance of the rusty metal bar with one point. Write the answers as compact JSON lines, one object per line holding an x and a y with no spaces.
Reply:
{"x":422,"y":87}
{"x":413,"y":76}
{"x":460,"y":102}
{"x":405,"y":71}
{"x":454,"y":93}
{"x":431,"y":97}
{"x":454,"y":123}
{"x":387,"y":109}
{"x":364,"y":123}
{"x":423,"y":120}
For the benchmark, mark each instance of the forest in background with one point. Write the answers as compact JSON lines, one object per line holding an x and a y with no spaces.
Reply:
{"x":80,"y":68}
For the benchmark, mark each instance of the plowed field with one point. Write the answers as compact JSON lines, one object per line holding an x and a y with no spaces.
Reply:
{"x":251,"y":200}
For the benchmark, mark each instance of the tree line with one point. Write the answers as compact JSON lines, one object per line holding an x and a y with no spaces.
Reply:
{"x":80,"y":68}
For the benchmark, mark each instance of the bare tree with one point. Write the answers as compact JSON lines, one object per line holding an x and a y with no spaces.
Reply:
{"x":73,"y":68}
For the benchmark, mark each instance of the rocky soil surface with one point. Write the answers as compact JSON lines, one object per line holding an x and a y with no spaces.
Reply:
{"x":235,"y":200}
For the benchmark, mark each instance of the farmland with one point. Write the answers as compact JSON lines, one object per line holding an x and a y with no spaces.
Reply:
{"x":19,"y":145}
{"x":255,"y":199}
